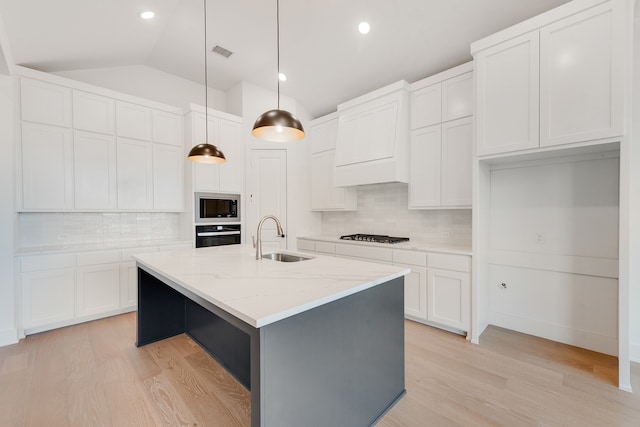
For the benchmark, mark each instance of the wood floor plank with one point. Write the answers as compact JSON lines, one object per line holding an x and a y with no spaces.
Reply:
{"x":93,"y":375}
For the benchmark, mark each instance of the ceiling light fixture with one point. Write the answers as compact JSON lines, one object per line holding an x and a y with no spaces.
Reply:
{"x":205,"y":152}
{"x":278,"y":125}
{"x":147,"y":14}
{"x":282,"y":77}
{"x":364,"y":27}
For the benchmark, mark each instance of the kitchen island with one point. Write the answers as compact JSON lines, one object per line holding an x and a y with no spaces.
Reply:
{"x":317,"y":342}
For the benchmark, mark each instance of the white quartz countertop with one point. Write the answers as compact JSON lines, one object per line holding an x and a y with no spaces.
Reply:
{"x":415,"y":245}
{"x":106,"y":246}
{"x":265,"y":291}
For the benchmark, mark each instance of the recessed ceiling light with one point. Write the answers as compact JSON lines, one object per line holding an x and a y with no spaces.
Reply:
{"x":282,"y":77}
{"x":147,"y":14}
{"x":364,"y":27}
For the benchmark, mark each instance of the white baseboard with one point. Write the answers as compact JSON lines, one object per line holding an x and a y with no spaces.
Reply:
{"x":8,"y":337}
{"x":634,"y":352}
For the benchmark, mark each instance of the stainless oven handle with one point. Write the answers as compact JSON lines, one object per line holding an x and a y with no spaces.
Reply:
{"x":218,"y":233}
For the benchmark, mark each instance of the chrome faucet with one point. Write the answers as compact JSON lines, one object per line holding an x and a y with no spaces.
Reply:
{"x":258,"y":243}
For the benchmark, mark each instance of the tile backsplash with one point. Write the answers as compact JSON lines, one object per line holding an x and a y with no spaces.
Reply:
{"x":75,"y":228}
{"x":382,"y":209}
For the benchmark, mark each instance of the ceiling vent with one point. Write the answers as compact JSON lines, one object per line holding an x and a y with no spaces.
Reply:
{"x":222,"y":51}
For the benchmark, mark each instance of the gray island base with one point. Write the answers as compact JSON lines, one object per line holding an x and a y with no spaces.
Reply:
{"x":338,"y":364}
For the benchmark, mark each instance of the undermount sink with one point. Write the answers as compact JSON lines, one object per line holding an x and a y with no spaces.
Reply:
{"x":282,"y":257}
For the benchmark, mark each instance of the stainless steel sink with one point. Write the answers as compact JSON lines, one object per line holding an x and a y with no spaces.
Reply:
{"x":282,"y":257}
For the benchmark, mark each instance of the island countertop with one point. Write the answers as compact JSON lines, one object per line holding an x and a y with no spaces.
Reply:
{"x":261,"y":292}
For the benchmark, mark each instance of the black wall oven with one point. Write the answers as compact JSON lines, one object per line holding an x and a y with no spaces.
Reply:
{"x":218,"y":235}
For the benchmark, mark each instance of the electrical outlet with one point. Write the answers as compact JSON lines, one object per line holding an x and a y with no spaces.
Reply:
{"x":446,"y":234}
{"x":540,"y":238}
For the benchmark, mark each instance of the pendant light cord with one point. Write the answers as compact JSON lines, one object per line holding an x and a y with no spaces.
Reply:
{"x":278,"y":42}
{"x":206,"y":83}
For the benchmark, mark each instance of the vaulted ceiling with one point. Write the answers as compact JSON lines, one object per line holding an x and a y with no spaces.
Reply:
{"x":325,"y":58}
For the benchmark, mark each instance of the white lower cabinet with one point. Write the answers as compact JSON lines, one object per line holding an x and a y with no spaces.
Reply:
{"x":98,"y":289}
{"x":48,"y":296}
{"x":415,"y":292}
{"x":128,"y":284}
{"x":448,"y":296}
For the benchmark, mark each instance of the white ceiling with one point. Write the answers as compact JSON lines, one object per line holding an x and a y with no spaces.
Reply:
{"x":325,"y":58}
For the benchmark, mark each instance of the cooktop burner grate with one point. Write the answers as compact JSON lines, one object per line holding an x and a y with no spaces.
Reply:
{"x":375,"y":238}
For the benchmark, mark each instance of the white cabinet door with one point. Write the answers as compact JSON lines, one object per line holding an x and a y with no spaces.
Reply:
{"x":95,"y":171}
{"x":46,"y":103}
{"x":457,"y":97}
{"x":448,"y":296}
{"x":168,"y":128}
{"x":47,"y":167}
{"x":231,"y":173}
{"x":98,"y":289}
{"x":415,"y":292}
{"x":581,"y":77}
{"x":318,"y":138}
{"x":133,"y":121}
{"x":426,"y":108}
{"x":325,"y":196}
{"x":507,"y":96}
{"x":128,"y":284}
{"x":48,"y":297}
{"x":135,"y":176}
{"x":457,"y":154}
{"x":168,"y":179}
{"x":425,"y":164}
{"x":93,"y":113}
{"x":369,"y":135}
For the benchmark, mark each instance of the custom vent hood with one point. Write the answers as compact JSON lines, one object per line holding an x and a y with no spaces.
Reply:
{"x":373,"y":138}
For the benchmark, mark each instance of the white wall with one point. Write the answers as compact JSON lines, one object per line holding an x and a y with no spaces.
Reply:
{"x":554,"y":244}
{"x":149,"y":83}
{"x":8,"y":331}
{"x":382,"y":209}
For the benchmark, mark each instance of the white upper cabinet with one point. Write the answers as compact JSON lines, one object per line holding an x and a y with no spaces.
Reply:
{"x":561,"y":75}
{"x":167,"y":177}
{"x":168,"y":128}
{"x":93,"y":113}
{"x":43,"y":102}
{"x":231,"y":173}
{"x":581,"y":82}
{"x":135,"y":174}
{"x":441,"y":154}
{"x":457,"y":97}
{"x":426,"y":161}
{"x":47,"y":167}
{"x":94,"y":158}
{"x":426,"y":108}
{"x":325,"y":196}
{"x":507,"y":82}
{"x":373,"y":138}
{"x":133,"y":121}
{"x":457,"y":155}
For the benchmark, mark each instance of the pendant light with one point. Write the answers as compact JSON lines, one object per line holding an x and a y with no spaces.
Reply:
{"x":278,"y":125}
{"x":205,"y":152}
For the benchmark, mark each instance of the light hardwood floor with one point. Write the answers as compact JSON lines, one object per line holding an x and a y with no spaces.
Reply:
{"x":93,"y":375}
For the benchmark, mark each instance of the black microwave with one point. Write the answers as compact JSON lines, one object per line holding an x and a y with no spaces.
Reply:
{"x":214,"y":208}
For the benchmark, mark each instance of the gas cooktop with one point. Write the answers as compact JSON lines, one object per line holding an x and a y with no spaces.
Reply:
{"x":376,"y":238}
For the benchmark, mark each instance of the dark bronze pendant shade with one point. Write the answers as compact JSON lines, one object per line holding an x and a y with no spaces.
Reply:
{"x":205,"y":152}
{"x":278,"y":126}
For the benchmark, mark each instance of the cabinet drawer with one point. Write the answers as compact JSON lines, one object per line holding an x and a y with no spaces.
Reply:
{"x":98,"y":257}
{"x":368,"y":252}
{"x":449,"y":262}
{"x":326,"y":247}
{"x":409,"y":257}
{"x":47,"y":262}
{"x":306,"y":245}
